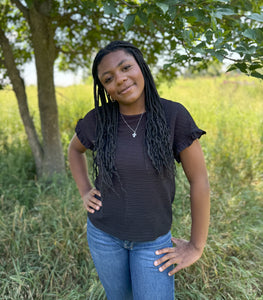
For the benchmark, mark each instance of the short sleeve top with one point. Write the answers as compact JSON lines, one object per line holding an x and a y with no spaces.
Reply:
{"x":144,"y":211}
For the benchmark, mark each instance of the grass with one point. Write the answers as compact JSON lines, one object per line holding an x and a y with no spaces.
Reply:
{"x":43,"y":248}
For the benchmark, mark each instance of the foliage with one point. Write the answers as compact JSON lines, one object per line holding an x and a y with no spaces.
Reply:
{"x":43,"y":248}
{"x":197,"y":32}
{"x":189,"y":33}
{"x":81,"y":27}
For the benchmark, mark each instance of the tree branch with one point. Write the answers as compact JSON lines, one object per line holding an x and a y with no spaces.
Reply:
{"x":21,"y":7}
{"x":130,"y":5}
{"x":232,"y":59}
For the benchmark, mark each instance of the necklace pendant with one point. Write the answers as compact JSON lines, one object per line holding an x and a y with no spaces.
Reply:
{"x":134,"y":134}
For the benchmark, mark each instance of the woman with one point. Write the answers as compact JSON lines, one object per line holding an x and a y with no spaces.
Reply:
{"x":135,"y":136}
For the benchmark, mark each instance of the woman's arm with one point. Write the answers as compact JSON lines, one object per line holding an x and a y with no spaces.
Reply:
{"x":193,"y":163}
{"x":78,"y":167}
{"x":186,"y":253}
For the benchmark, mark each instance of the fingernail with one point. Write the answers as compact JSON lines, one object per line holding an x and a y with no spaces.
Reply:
{"x":160,"y":269}
{"x":97,"y":207}
{"x":169,"y":274}
{"x":155,"y":263}
{"x":157,"y":252}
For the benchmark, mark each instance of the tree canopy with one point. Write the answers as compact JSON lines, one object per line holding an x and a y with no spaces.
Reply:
{"x":197,"y":32}
{"x":186,"y":33}
{"x":172,"y":34}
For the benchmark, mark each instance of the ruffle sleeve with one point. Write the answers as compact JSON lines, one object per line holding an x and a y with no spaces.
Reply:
{"x":184,"y":129}
{"x":86,"y":130}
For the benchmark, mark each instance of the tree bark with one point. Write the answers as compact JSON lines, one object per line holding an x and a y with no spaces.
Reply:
{"x":45,"y":55}
{"x":19,"y":89}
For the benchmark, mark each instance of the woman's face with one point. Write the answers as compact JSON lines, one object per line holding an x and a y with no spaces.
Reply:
{"x":122,"y":78}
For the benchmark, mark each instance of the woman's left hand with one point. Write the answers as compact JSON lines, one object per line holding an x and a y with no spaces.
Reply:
{"x":183,"y":255}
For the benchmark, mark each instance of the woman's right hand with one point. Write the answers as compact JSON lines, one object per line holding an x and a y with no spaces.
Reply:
{"x":90,"y":202}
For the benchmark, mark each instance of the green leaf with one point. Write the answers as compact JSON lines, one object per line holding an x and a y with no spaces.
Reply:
{"x":197,"y":58}
{"x":164,"y":7}
{"x":166,"y":66}
{"x":213,"y":21}
{"x":209,"y":35}
{"x":254,"y":34}
{"x":256,"y":74}
{"x":231,"y":68}
{"x":249,"y":33}
{"x":181,"y":58}
{"x":196,"y":15}
{"x":255,"y":66}
{"x":242,"y":67}
{"x":220,"y":55}
{"x":220,"y":12}
{"x":142,"y":16}
{"x":247,"y":58}
{"x":256,"y":17}
{"x":128,"y":22}
{"x":216,"y":54}
{"x":188,"y":35}
{"x":218,"y":42}
{"x":249,"y":50}
{"x":200,"y":48}
{"x":109,"y":8}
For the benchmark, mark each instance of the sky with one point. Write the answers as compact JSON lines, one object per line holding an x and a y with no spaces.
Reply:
{"x":65,"y":78}
{"x":61,"y":78}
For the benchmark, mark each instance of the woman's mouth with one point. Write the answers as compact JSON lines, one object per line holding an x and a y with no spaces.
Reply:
{"x":126,"y":89}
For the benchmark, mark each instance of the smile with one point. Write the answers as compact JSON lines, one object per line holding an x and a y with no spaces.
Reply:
{"x":126,"y":89}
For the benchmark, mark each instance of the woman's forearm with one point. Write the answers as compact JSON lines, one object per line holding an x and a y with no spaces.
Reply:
{"x":200,"y":210}
{"x":78,"y":167}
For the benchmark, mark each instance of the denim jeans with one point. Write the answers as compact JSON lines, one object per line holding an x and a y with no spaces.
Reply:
{"x":126,"y":268}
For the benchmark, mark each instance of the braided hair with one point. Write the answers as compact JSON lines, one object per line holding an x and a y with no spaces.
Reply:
{"x":157,"y":134}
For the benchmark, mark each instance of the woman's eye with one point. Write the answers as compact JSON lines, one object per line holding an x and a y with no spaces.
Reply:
{"x":107,"y":80}
{"x":127,"y":67}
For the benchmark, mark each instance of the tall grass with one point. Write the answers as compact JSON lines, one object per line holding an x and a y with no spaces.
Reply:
{"x":43,"y":248}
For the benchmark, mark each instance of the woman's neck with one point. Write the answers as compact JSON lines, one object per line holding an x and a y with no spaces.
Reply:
{"x":132,"y":109}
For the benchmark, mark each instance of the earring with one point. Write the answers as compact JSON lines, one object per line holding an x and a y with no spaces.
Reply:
{"x":109,"y":97}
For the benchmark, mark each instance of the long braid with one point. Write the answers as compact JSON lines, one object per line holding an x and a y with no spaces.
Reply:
{"x":157,"y":133}
{"x":106,"y":129}
{"x":157,"y":136}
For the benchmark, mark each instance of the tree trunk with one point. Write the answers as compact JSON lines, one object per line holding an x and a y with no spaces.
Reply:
{"x":49,"y":157}
{"x":19,"y":89}
{"x":45,"y":55}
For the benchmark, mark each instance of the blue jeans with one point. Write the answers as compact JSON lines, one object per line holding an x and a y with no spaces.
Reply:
{"x":126,"y":269}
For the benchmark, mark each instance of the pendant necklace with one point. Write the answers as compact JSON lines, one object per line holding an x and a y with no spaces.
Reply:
{"x":133,"y":130}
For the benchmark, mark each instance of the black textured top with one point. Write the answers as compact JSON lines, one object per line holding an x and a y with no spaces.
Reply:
{"x":144,"y":211}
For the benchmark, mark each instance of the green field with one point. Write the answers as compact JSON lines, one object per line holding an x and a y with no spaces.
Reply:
{"x":43,"y":248}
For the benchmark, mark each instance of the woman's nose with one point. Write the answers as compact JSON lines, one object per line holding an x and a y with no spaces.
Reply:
{"x":120,"y":78}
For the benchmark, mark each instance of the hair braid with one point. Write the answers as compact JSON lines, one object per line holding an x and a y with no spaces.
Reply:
{"x":157,"y":134}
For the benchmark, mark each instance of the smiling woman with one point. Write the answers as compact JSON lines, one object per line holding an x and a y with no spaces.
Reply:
{"x":130,"y":206}
{"x":123,"y":81}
